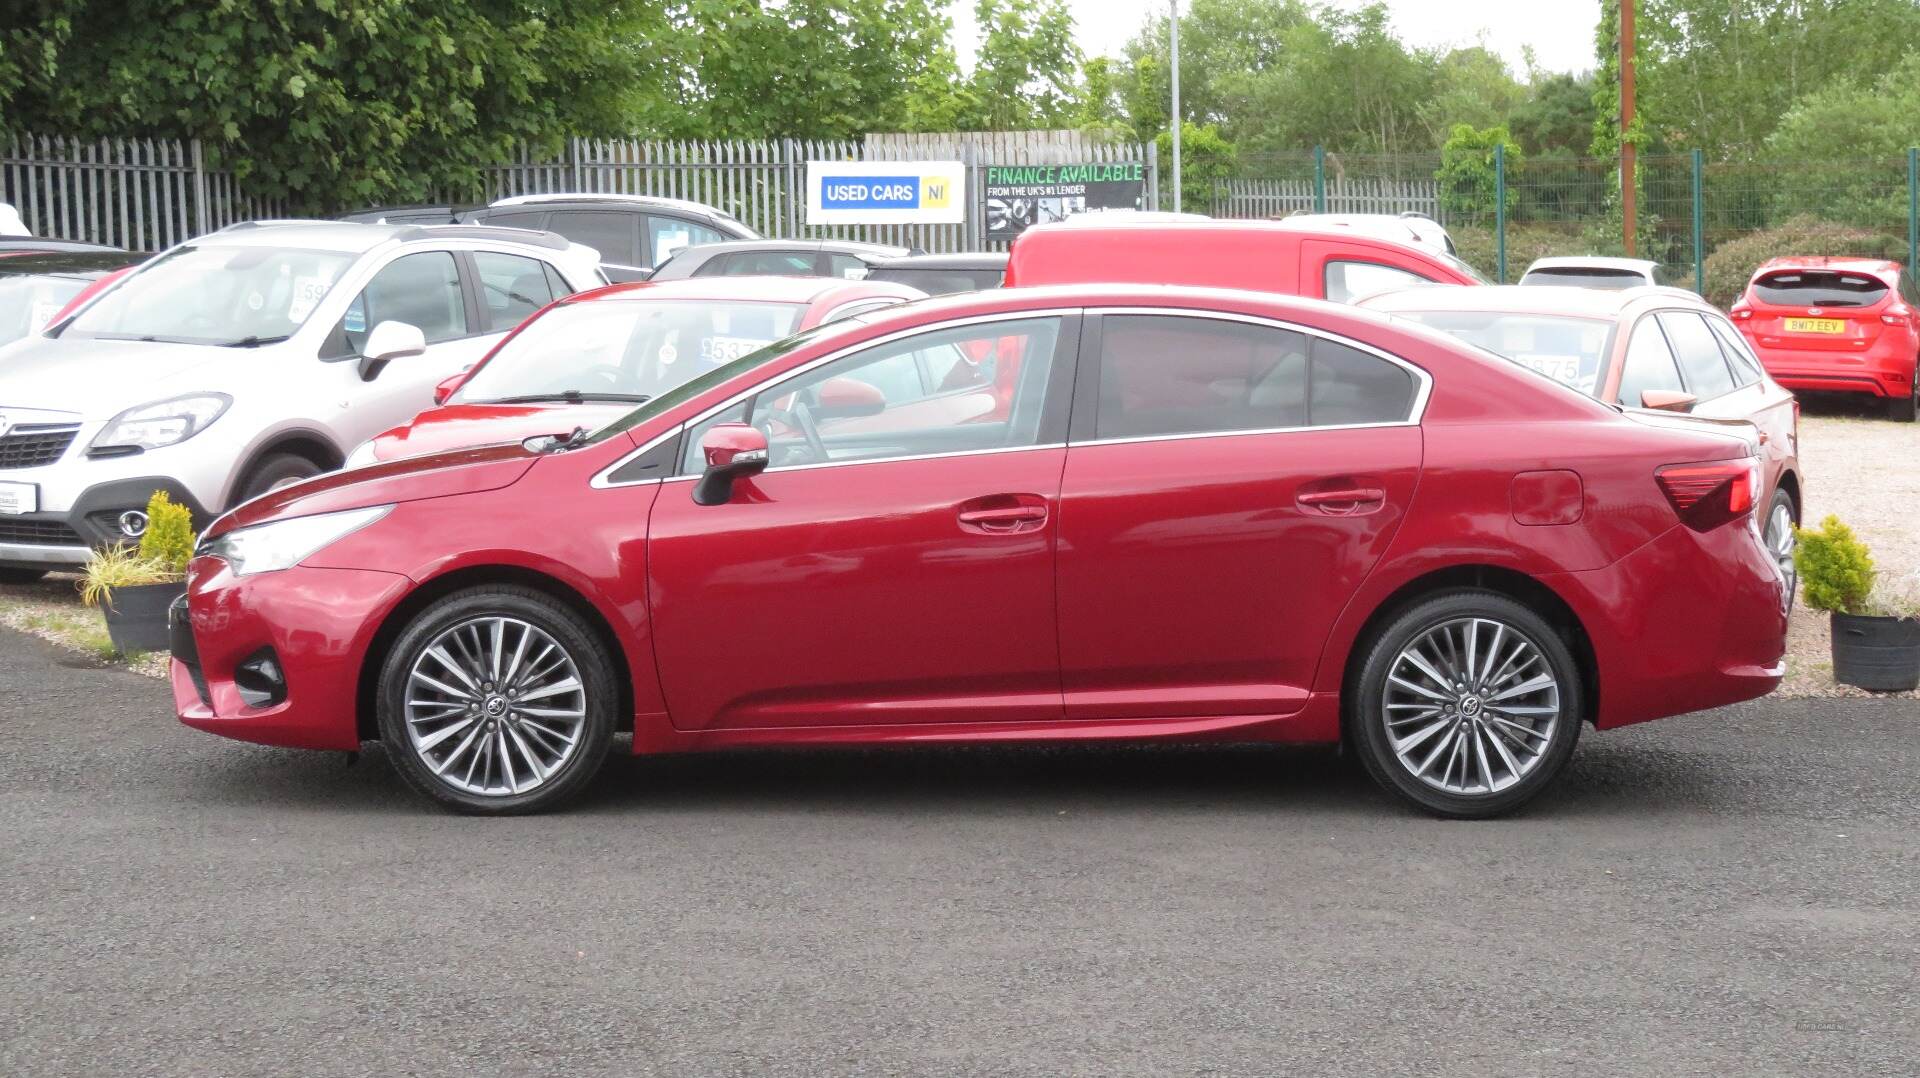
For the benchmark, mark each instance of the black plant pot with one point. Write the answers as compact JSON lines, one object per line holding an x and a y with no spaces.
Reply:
{"x":1880,"y":654}
{"x":137,"y":616}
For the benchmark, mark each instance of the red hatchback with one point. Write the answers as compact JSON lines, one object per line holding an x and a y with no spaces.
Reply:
{"x":1850,"y":325}
{"x":586,"y":360}
{"x":1195,"y":515}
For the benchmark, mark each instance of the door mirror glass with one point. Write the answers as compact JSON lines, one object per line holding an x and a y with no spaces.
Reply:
{"x":732,"y":451}
{"x":848,"y":398}
{"x":390,"y":341}
{"x":1667,"y":400}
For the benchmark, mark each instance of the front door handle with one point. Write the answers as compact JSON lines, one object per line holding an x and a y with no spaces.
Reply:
{"x":1004,"y":514}
{"x":1349,"y":501}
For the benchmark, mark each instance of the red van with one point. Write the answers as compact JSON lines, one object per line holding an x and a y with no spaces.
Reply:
{"x":1264,"y":256}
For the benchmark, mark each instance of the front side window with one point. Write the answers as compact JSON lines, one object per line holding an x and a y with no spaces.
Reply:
{"x":215,"y":294}
{"x":669,"y":235}
{"x":421,"y":290}
{"x":611,"y":234}
{"x":1701,"y":363}
{"x":956,"y":390}
{"x":846,"y":266}
{"x":1568,"y":350}
{"x":512,"y":287}
{"x":1349,"y":281}
{"x":624,"y":349}
{"x":1649,"y":364}
{"x":1166,"y":375}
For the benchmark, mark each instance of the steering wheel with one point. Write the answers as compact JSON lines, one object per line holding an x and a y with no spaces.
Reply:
{"x":800,"y":417}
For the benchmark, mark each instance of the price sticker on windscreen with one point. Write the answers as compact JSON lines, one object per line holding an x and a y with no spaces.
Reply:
{"x":728,"y":349}
{"x":1562,"y":369}
{"x":307,"y":294}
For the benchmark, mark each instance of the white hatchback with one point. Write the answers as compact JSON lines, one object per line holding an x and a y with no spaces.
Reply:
{"x":245,"y":360}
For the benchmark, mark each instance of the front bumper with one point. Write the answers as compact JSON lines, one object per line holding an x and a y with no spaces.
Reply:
{"x":318,"y":625}
{"x":64,"y":537}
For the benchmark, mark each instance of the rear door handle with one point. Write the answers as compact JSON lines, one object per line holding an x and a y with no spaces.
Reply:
{"x":1003,"y":514}
{"x":1343,"y":502}
{"x":1004,"y":518}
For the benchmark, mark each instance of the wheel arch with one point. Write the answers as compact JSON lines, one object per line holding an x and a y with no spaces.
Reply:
{"x":1790,"y":482}
{"x":300,"y":441}
{"x":1499,"y":580}
{"x":367,"y":690}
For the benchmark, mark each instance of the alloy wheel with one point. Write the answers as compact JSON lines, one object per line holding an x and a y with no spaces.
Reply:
{"x":1471,"y":706}
{"x":1778,"y":537}
{"x":495,"y":706}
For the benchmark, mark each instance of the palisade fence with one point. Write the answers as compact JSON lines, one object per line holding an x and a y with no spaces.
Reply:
{"x":1688,"y":207}
{"x":147,"y":194}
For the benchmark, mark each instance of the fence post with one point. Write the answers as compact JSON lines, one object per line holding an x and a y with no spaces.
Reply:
{"x":1913,"y":210}
{"x":1319,"y":179}
{"x":1500,"y":212}
{"x":1699,"y":224}
{"x":200,"y":226}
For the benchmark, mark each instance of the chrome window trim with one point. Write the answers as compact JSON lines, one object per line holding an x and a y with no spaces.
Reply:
{"x":885,"y":460}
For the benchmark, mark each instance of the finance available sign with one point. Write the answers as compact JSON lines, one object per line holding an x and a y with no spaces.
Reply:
{"x":1020,"y":196}
{"x":886,"y":192}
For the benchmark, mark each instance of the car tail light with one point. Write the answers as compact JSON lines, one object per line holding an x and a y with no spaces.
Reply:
{"x":1741,"y":313}
{"x":1713,"y":493}
{"x":1897,"y":316}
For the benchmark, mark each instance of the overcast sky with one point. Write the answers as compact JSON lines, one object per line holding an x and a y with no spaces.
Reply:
{"x":1559,"y":31}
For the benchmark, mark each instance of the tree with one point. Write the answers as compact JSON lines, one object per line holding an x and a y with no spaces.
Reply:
{"x":330,"y":102}
{"x":1026,"y":75}
{"x":1205,"y":159}
{"x":1556,"y":117}
{"x":1470,"y":86}
{"x":1468,"y":177}
{"x":1839,"y":151}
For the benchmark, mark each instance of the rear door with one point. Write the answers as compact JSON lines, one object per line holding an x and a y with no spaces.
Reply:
{"x":1229,"y":483}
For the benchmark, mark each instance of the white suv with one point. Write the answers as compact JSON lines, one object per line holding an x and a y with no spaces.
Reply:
{"x":246,"y":360}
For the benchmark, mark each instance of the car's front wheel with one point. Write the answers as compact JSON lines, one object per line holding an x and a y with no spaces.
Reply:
{"x":498,"y":700}
{"x":1467,"y":704}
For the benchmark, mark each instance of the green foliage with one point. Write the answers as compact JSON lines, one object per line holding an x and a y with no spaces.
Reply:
{"x":1847,"y":121}
{"x":1469,"y":181}
{"x":117,"y":567}
{"x":330,"y":102}
{"x":1205,"y":158}
{"x":1556,"y":116}
{"x":168,"y":540}
{"x":1836,"y":571}
{"x":1731,"y":265}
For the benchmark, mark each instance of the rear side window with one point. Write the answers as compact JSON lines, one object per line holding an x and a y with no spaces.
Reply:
{"x":760,"y":263}
{"x":1819,"y":288}
{"x":1701,"y":362}
{"x":1649,"y":364}
{"x":1746,"y":369}
{"x":1349,"y":281}
{"x":846,"y":266}
{"x":936,"y":282}
{"x":533,"y":220}
{"x":611,"y":234}
{"x":1165,"y":375}
{"x":511,"y":287}
{"x":670,"y":234}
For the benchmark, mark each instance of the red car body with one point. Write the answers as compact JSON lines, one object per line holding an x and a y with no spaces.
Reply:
{"x":1844,"y":325}
{"x":457,"y":423}
{"x":1266,"y":256}
{"x":1077,"y":585}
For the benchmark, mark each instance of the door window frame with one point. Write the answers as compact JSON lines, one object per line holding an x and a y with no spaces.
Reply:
{"x":1086,"y":389}
{"x":465,"y":276}
{"x":1680,"y":365}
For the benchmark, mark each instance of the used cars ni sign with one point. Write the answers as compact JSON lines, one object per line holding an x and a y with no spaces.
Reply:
{"x":1111,"y":512}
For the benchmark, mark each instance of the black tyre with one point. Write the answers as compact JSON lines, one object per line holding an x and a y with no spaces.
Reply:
{"x":498,"y":700}
{"x":1904,"y":411}
{"x":274,"y":472}
{"x":20,"y":576}
{"x":1467,"y":705}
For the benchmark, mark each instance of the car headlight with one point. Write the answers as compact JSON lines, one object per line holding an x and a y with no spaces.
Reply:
{"x":161,"y":423}
{"x":361,"y":456}
{"x":283,"y":544}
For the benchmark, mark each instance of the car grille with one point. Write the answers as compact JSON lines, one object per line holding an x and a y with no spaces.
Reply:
{"x":29,"y":447}
{"x":38,"y":533}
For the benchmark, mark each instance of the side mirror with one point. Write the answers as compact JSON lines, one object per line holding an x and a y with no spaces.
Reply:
{"x":733,"y":451}
{"x":389,"y":341}
{"x":445,"y":390}
{"x":847,"y":398}
{"x":1668,"y":400}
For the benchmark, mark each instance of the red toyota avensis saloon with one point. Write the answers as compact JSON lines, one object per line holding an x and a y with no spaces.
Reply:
{"x":1036,"y":514}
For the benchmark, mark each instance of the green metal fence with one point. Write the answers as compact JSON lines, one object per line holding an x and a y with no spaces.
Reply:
{"x":1709,"y":223}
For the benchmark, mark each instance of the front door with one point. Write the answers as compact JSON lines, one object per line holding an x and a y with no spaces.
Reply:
{"x":1228,"y":487}
{"x":895,"y":562}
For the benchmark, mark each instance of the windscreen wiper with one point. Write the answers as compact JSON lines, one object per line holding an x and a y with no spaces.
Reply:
{"x":255,"y":342}
{"x":574,"y":396}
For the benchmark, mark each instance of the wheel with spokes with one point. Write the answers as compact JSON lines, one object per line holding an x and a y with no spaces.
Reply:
{"x":1778,"y":536}
{"x":1467,"y":705}
{"x":498,"y":700}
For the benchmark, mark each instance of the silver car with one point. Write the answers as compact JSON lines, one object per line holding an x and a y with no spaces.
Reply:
{"x":246,"y":360}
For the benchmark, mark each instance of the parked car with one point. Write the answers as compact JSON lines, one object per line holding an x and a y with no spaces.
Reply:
{"x":586,"y":360}
{"x":406,"y":215}
{"x":1844,"y":325}
{"x":1195,"y":515}
{"x":21,"y":246}
{"x":10,"y":223}
{"x":845,"y":259}
{"x":1409,"y":227}
{"x":1595,"y":271}
{"x":245,"y":360}
{"x":1647,"y":347}
{"x":633,"y":233}
{"x":1268,"y":256}
{"x":943,"y":275}
{"x":39,"y":289}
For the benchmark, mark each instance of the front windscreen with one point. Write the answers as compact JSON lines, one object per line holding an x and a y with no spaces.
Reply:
{"x":214,"y":294}
{"x":29,"y":301}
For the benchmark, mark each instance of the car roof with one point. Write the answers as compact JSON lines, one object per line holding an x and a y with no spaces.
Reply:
{"x":750,"y":290}
{"x":1384,"y":225}
{"x":654,"y":201}
{"x":54,"y":264}
{"x":848,"y":247}
{"x":1842,"y":262}
{"x":966,"y":260}
{"x":353,"y":237}
{"x":1610,"y":262}
{"x":10,"y":245}
{"x":1554,"y":299}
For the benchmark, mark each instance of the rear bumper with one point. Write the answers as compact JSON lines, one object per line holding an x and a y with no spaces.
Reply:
{"x":1688,"y":622}
{"x":1880,"y":372}
{"x":319,"y":624}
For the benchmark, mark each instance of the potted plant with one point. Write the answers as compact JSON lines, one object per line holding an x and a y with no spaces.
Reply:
{"x":134,"y":587}
{"x":1875,"y":617}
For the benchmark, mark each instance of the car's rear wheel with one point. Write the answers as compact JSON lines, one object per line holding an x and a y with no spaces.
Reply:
{"x":1467,"y":704}
{"x":274,"y":472}
{"x":1904,"y":411}
{"x":498,"y":700}
{"x":21,"y":576}
{"x":1778,"y":535}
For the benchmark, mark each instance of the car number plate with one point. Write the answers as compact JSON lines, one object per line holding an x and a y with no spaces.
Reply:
{"x":17,"y":498}
{"x":1816,"y":325}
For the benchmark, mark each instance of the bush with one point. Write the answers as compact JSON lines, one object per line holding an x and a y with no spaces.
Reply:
{"x":168,"y":540}
{"x":1731,"y":264}
{"x":1468,"y":179}
{"x":1835,"y":568}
